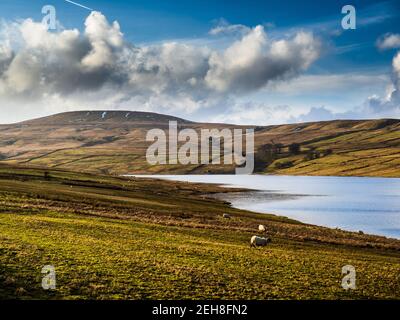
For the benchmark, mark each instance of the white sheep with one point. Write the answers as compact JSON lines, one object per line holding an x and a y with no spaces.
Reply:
{"x":259,"y":241}
{"x":262,"y":228}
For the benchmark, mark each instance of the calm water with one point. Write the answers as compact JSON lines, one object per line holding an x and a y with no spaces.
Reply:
{"x":350,"y":203}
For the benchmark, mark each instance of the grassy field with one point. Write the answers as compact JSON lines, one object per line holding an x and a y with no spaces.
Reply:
{"x":117,"y":238}
{"x":374,"y":153}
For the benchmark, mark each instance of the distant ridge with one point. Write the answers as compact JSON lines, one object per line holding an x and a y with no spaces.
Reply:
{"x":114,"y":142}
{"x":103,"y":116}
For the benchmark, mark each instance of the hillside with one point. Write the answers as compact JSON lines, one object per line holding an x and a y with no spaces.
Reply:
{"x":114,"y":142}
{"x":119,"y":238}
{"x":103,"y":117}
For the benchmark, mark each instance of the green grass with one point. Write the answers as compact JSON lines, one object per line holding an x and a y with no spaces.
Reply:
{"x":107,"y":259}
{"x":113,"y":238}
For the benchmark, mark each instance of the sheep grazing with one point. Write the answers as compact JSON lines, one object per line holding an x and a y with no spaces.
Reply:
{"x":259,"y":241}
{"x":226,"y":216}
{"x":262,"y":228}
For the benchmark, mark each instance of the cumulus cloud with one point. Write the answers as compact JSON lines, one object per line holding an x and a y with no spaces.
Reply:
{"x":97,"y":66}
{"x":389,"y":105}
{"x":253,"y":61}
{"x":104,"y":39}
{"x":374,"y":106}
{"x":259,"y":113}
{"x":388,"y":41}
{"x":6,"y":55}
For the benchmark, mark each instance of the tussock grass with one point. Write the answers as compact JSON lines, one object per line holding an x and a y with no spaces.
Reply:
{"x":115,"y":238}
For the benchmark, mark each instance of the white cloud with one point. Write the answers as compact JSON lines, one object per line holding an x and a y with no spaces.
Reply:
{"x":98,"y":67}
{"x":262,"y":113}
{"x":396,"y":65}
{"x":317,"y":84}
{"x":44,"y":72}
{"x":224,"y":28}
{"x":388,"y":41}
{"x":104,"y":39}
{"x":255,"y":114}
{"x":388,"y":106}
{"x":254,"y":61}
{"x":373,"y":107}
{"x":6,"y":55}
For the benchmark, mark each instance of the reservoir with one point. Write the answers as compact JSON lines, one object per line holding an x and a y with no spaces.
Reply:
{"x":371,"y":205}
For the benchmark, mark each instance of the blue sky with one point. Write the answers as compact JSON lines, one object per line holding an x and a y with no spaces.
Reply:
{"x":349,"y":68}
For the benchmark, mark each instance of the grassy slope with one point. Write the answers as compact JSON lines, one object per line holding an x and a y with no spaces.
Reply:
{"x":77,"y":141}
{"x":117,"y":238}
{"x":371,"y":149}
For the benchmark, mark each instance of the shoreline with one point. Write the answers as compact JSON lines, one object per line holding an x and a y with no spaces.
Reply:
{"x":166,"y":234}
{"x":234,"y":193}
